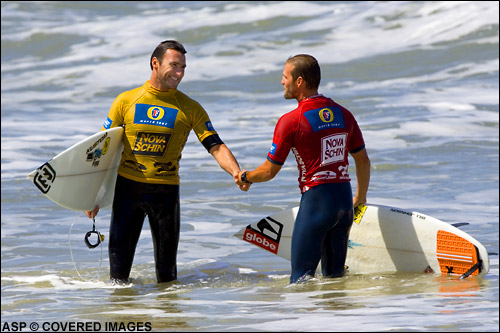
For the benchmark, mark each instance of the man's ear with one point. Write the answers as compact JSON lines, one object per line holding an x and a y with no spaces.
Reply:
{"x":155,"y":63}
{"x":299,"y":81}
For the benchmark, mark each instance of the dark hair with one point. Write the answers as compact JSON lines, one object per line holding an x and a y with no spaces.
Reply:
{"x":163,"y":47}
{"x":306,"y":66}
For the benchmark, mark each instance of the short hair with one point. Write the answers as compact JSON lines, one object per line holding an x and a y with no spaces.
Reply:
{"x":163,"y":47}
{"x":306,"y":66}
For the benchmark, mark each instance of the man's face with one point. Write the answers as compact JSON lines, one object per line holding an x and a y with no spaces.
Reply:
{"x":171,"y":70}
{"x":289,"y":85}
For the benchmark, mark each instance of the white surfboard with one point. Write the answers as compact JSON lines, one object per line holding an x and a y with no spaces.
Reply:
{"x":84,"y":175}
{"x":385,"y":240}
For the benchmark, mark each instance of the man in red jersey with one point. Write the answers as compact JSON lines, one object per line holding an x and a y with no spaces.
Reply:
{"x":320,"y":133}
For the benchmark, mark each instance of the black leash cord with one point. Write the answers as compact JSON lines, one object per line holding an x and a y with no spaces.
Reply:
{"x":89,"y":233}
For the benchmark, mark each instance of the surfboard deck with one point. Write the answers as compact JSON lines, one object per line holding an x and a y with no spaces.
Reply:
{"x":385,"y":239}
{"x":84,"y":175}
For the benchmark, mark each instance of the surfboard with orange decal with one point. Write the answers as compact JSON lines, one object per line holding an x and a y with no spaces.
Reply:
{"x":386,"y":239}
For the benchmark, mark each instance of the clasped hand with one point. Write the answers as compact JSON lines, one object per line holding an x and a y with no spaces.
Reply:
{"x":237,"y":180}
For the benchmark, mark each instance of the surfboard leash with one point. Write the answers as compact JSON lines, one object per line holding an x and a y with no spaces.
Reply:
{"x":100,"y":239}
{"x":477,"y":266}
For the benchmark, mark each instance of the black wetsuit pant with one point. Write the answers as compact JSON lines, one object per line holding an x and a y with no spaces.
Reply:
{"x":132,"y":202}
{"x":321,"y":231}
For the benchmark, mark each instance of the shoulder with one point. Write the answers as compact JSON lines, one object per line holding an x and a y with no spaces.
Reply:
{"x":290,"y":116}
{"x":131,"y":95}
{"x":187,"y":101}
{"x":345,"y":112}
{"x":288,"y":123}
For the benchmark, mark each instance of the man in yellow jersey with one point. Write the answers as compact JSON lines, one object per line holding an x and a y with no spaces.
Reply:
{"x":157,"y":119}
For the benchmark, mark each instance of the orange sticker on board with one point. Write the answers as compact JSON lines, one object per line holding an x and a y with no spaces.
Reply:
{"x":455,"y":254}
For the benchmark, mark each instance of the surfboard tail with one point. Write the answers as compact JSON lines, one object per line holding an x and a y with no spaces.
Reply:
{"x":456,"y":255}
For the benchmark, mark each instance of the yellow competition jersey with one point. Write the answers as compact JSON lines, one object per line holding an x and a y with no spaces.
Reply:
{"x":157,"y":124}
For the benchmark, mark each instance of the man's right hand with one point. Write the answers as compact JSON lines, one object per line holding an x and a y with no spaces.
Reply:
{"x":91,"y":214}
{"x":237,"y":180}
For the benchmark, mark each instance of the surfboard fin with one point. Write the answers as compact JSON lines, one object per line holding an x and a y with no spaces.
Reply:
{"x":460,"y":224}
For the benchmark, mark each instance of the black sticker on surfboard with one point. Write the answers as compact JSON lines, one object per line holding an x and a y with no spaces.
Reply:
{"x":44,"y":178}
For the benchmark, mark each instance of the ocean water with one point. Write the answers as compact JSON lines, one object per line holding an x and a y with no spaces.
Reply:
{"x":420,"y":77}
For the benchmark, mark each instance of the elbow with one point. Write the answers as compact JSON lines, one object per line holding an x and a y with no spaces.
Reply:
{"x":260,"y":177}
{"x":270,"y":175}
{"x":362,"y":161}
{"x":273,"y":171}
{"x":264,"y":173}
{"x":367,"y":162}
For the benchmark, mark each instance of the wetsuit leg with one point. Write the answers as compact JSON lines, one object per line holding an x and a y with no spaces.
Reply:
{"x":335,"y":244}
{"x":127,"y":218}
{"x":132,"y":202}
{"x":306,"y":241}
{"x":322,"y":208}
{"x":164,"y":221}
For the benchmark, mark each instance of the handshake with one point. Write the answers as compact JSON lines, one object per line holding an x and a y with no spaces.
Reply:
{"x":241,"y":180}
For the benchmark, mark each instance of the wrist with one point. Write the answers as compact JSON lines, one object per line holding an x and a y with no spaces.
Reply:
{"x":244,"y":178}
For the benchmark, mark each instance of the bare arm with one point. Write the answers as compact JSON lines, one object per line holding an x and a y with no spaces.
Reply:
{"x":263,"y":173}
{"x":227,"y":162}
{"x":362,"y":162}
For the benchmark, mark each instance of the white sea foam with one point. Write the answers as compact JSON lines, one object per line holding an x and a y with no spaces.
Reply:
{"x":368,"y":24}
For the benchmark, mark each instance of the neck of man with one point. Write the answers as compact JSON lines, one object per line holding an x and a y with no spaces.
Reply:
{"x":156,"y":83}
{"x":306,"y":94}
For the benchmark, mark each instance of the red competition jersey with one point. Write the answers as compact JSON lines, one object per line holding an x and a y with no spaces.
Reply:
{"x":320,"y":133}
